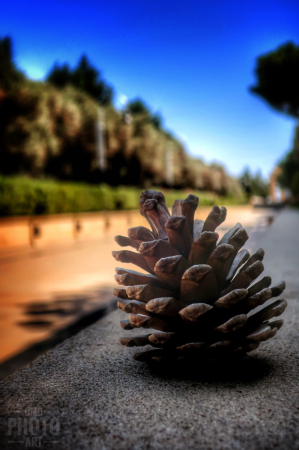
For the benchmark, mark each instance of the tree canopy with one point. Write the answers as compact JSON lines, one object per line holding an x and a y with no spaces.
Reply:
{"x":85,"y":77}
{"x":50,"y":132}
{"x":277,"y":78}
{"x":254,"y":184}
{"x":290,"y":167}
{"x":138,"y":106}
{"x":8,"y":70}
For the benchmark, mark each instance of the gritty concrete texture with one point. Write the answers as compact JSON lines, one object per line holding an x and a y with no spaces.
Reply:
{"x":89,"y":394}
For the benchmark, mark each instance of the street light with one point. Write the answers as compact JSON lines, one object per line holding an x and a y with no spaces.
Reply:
{"x":100,"y":142}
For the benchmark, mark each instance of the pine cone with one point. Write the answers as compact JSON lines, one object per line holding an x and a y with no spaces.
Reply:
{"x":197,"y":292}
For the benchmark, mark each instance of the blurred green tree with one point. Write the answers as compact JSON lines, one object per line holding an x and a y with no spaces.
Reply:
{"x":277,"y":75}
{"x":60,"y":76}
{"x":84,"y":77}
{"x":157,"y":121}
{"x":17,"y":109}
{"x":9,"y":74}
{"x":138,"y":106}
{"x":254,"y":184}
{"x":290,"y":167}
{"x":50,"y":132}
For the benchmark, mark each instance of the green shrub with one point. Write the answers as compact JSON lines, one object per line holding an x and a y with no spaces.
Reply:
{"x":25,"y":196}
{"x":205,"y":198}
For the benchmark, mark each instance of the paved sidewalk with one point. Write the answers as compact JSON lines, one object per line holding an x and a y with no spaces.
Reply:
{"x":68,"y":277}
{"x":103,"y":399}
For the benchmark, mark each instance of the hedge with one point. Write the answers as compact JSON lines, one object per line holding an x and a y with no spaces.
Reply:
{"x":25,"y":196}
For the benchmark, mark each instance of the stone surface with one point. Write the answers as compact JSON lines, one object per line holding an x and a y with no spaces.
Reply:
{"x":103,"y":399}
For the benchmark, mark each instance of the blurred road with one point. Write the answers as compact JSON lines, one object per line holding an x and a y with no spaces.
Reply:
{"x":44,"y":290}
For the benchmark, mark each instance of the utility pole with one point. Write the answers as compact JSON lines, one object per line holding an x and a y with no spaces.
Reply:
{"x":100,"y":144}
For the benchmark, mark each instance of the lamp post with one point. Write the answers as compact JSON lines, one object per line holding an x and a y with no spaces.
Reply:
{"x":100,"y":142}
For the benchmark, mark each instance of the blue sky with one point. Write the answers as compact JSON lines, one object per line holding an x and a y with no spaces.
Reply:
{"x":192,"y":61}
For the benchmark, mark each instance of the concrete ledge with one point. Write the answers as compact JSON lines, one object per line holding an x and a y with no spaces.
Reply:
{"x":103,"y":399}
{"x":40,"y":231}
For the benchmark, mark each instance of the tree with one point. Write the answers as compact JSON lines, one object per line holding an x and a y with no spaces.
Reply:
{"x":254,"y":184}
{"x":277,"y":75}
{"x":84,"y":77}
{"x":9,"y":73}
{"x":290,"y":167}
{"x":60,"y":76}
{"x":157,"y":121}
{"x":138,"y":106}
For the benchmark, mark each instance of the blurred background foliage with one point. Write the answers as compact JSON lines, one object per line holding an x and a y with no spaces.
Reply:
{"x":27,"y":196}
{"x":277,"y":82}
{"x":277,"y":75}
{"x":290,"y":167}
{"x":84,"y":77}
{"x":254,"y":183}
{"x":48,"y":129}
